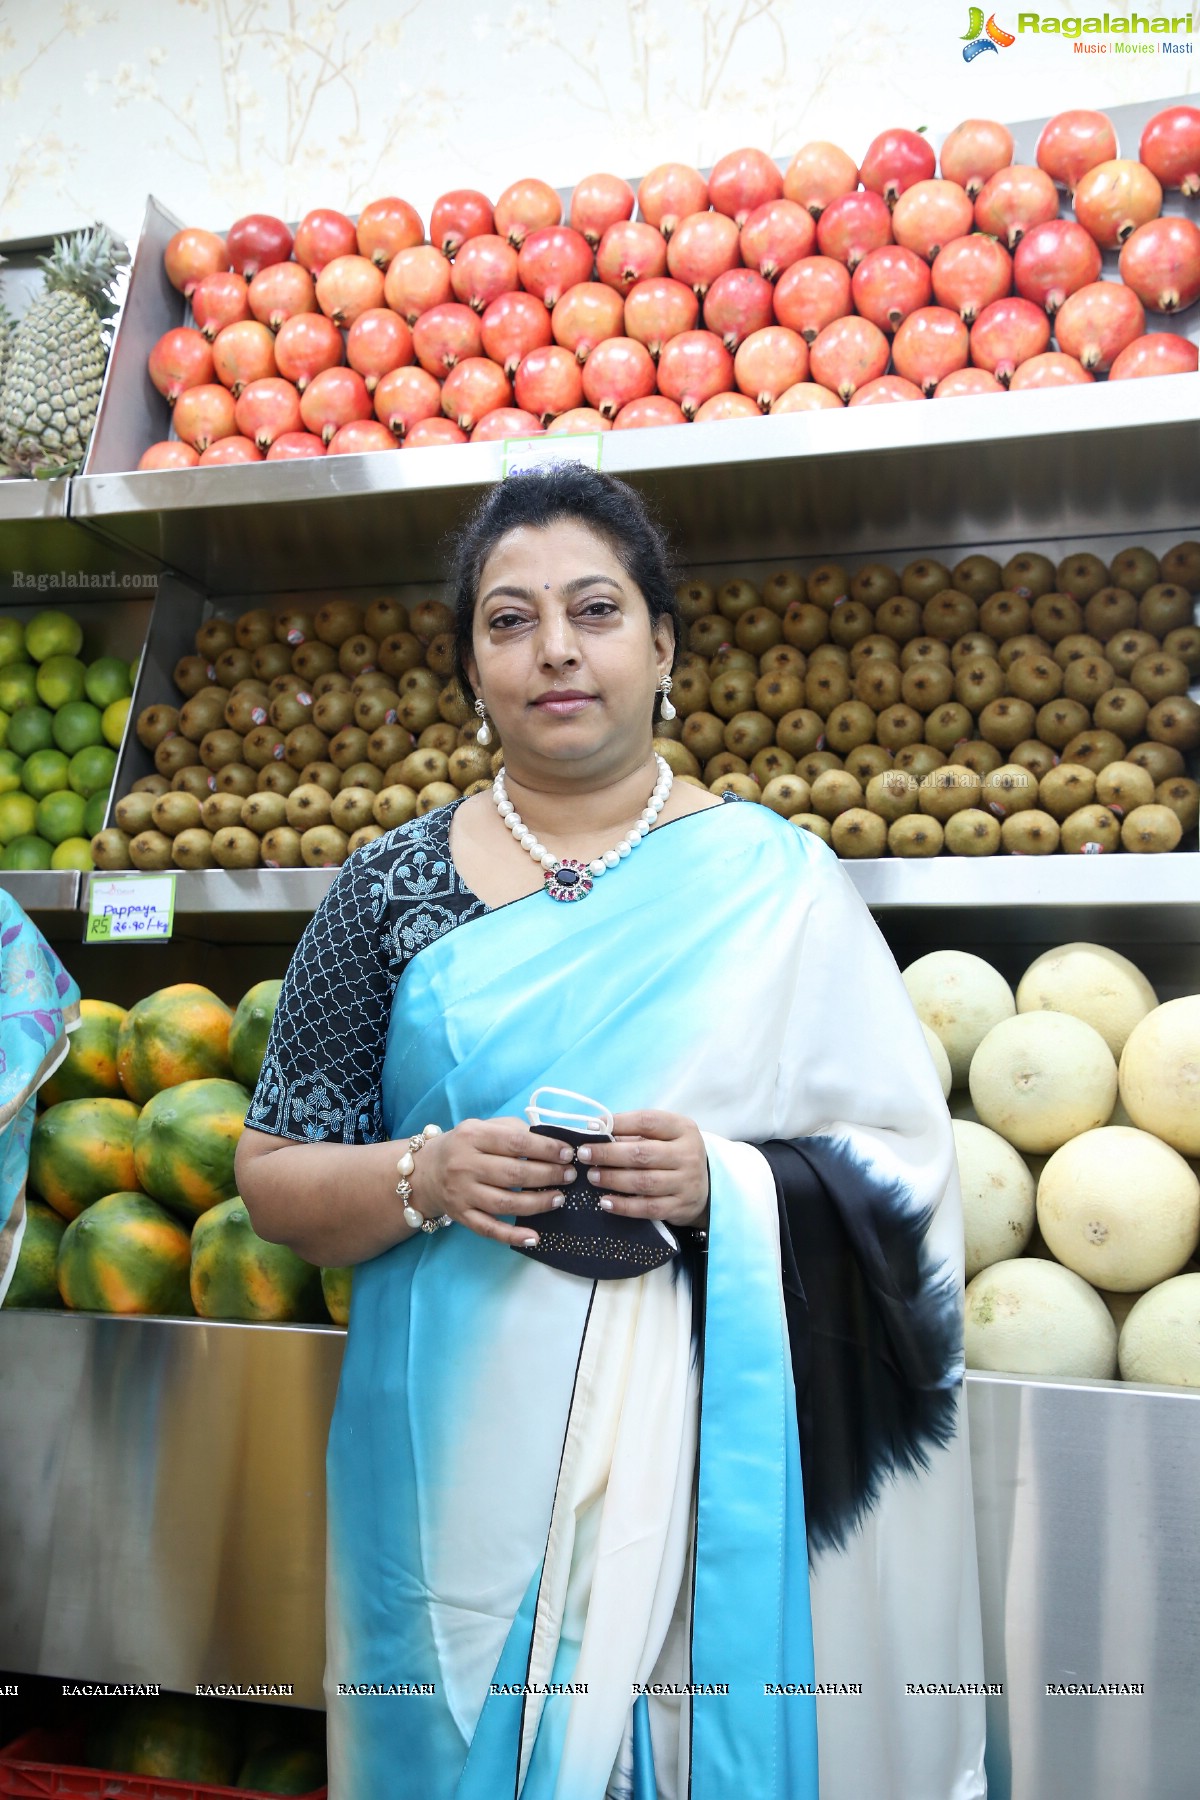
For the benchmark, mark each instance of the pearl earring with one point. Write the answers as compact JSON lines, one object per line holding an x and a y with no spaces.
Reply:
{"x":666,"y":710}
{"x":484,"y":734}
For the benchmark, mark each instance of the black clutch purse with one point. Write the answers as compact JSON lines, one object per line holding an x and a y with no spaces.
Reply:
{"x":578,"y":1237}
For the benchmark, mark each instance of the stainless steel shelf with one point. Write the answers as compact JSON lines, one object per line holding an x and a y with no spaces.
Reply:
{"x":44,"y":891}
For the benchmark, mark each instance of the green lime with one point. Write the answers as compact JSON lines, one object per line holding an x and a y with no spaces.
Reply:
{"x":18,"y":686}
{"x":45,"y":772}
{"x":94,"y":811}
{"x":107,"y":679}
{"x":12,"y":642}
{"x":50,"y":634}
{"x":60,"y":816}
{"x":4,"y":719}
{"x":60,"y":680}
{"x":18,"y":816}
{"x":30,"y":729}
{"x":133,"y":669}
{"x":112,"y":722}
{"x":10,"y":772}
{"x":73,"y":853}
{"x":92,"y":769}
{"x":76,"y":725}
{"x":27,"y":852}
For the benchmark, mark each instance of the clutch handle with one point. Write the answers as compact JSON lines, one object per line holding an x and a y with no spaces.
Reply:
{"x":595,"y":1121}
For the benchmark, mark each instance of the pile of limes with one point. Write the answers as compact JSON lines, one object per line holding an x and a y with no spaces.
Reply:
{"x":61,"y":722}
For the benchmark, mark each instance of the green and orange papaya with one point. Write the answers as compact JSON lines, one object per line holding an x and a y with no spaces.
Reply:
{"x":177,"y":1034}
{"x":81,"y":1150}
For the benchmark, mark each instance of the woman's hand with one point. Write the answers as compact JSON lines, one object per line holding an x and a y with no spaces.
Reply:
{"x":471,"y":1171}
{"x":656,"y":1168}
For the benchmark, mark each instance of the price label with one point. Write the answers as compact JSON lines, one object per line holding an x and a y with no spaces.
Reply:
{"x":523,"y":454}
{"x":130,"y":909}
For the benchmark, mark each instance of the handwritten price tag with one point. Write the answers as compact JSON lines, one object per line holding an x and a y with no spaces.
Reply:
{"x":130,"y":909}
{"x":523,"y":454}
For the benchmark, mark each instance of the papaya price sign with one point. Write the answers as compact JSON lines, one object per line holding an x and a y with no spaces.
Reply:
{"x":130,"y":909}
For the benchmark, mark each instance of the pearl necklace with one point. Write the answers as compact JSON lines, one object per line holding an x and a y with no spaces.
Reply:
{"x":567,"y":879}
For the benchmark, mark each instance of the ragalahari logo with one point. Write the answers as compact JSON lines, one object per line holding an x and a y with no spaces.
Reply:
{"x":975,"y":42}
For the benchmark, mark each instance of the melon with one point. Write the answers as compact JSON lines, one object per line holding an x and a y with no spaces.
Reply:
{"x":89,"y":1069}
{"x":81,"y":1150}
{"x":1092,"y":983}
{"x":1041,"y":1078}
{"x":1160,"y":1074}
{"x":1029,"y":1317}
{"x":185,"y":1141}
{"x":1160,"y":1340}
{"x":941,"y":1061}
{"x":125,"y":1254}
{"x":250,"y":1030}
{"x":178,"y":1034}
{"x":34,"y":1280}
{"x":960,"y":997}
{"x":236,"y":1274}
{"x":997,"y":1196}
{"x":1120,"y":1306}
{"x":1119,"y":1207}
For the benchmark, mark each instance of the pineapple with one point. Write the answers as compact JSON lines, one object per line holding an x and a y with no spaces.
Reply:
{"x":7,"y":327}
{"x":54,"y":368}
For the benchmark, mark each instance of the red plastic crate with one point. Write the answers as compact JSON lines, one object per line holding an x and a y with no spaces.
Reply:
{"x":40,"y":1763}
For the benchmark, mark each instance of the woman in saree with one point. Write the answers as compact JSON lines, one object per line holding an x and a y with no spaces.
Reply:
{"x":665,"y":1493}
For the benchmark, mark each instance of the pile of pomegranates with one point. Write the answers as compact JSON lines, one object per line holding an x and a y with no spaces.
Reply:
{"x":755,"y":291}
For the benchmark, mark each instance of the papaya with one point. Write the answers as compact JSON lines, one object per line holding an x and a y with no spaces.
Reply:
{"x":175,"y":1737}
{"x":238,"y":1275}
{"x":80,"y":1150}
{"x":34,"y":1282}
{"x":177,"y":1034}
{"x":125,"y":1254}
{"x":89,"y":1069}
{"x":185,"y":1141}
{"x":335,"y":1286}
{"x":250,"y":1029}
{"x":283,"y":1769}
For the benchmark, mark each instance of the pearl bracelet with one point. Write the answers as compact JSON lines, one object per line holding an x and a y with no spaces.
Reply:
{"x":404,"y":1168}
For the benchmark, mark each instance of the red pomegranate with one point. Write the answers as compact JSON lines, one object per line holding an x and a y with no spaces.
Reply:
{"x":1096,"y":322}
{"x":332,"y":399}
{"x":807,"y":396}
{"x":1170,"y":148}
{"x":191,"y":255}
{"x":769,"y":362}
{"x":445,"y":335}
{"x":549,"y":382}
{"x":1050,"y":370}
{"x":889,"y":283}
{"x":243,"y":353}
{"x":1160,"y":261}
{"x":1074,"y":142}
{"x":693,"y":367}
{"x":884,"y":390}
{"x":964,"y":382}
{"x":658,"y":310}
{"x":587,"y":314}
{"x":971,"y":272}
{"x":656,"y":409}
{"x":850,"y":352}
{"x":230,"y":450}
{"x":511,"y":327}
{"x":896,"y":160}
{"x":1053,"y":260}
{"x":416,"y":280}
{"x":474,"y":387}
{"x":726,"y":406}
{"x":528,"y":205}
{"x":406,"y":397}
{"x":629,"y":253}
{"x":552,"y":260}
{"x":320,"y":236}
{"x":930,"y":213}
{"x":204,"y":414}
{"x":347,"y":287}
{"x":1013,"y":201}
{"x":280,"y":292}
{"x":219,"y":300}
{"x":267,"y":409}
{"x":293,"y":446}
{"x":168,"y":453}
{"x":853,"y":224}
{"x":377,"y":342}
{"x":929,"y":345}
{"x":386,"y":227}
{"x":775,"y":236}
{"x":434,"y":434}
{"x":617,"y":372}
{"x":457,"y":216}
{"x":1114,"y":198}
{"x":305,"y":346}
{"x":812,"y":294}
{"x":703,"y":246}
{"x":257,"y":241}
{"x":506,"y":422}
{"x":1006,"y":334}
{"x":974,"y":152}
{"x":817,"y":174}
{"x":736,"y":304}
{"x":485,"y":268}
{"x":598,"y":202}
{"x":181,"y":359}
{"x":669,"y":193}
{"x":361,"y":435}
{"x":1158,"y":353}
{"x":741,"y":181}
{"x":579,"y":419}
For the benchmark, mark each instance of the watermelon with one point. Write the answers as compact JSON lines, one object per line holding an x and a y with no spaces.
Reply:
{"x":125,"y":1254}
{"x":283,"y":1769}
{"x":175,"y":1737}
{"x":34,"y":1282}
{"x":89,"y":1069}
{"x":250,"y":1029}
{"x":178,"y":1034}
{"x":185,"y":1141}
{"x":80,"y":1150}
{"x":238,"y":1275}
{"x":335,"y":1286}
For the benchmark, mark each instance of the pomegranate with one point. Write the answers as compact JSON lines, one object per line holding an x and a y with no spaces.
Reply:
{"x":889,"y":283}
{"x":850,"y":352}
{"x":446,"y":335}
{"x":1051,"y":369}
{"x":693,"y":367}
{"x":280,"y":292}
{"x":204,"y":414}
{"x":386,"y":227}
{"x":580,"y":419}
{"x":406,"y":397}
{"x":219,"y":300}
{"x":416,"y":280}
{"x":964,"y":382}
{"x":553,"y":259}
{"x":655,"y":409}
{"x":930,"y":213}
{"x":703,"y":246}
{"x":1053,"y":260}
{"x":974,"y":152}
{"x":474,"y":387}
{"x":971,"y":272}
{"x":1096,"y":322}
{"x":929,"y":345}
{"x":896,"y":160}
{"x":884,"y":390}
{"x":168,"y":454}
{"x":617,"y":372}
{"x":630,"y":253}
{"x":817,"y":174}
{"x":512,"y":326}
{"x":1114,"y":198}
{"x":293,"y":446}
{"x":736,"y":304}
{"x":1074,"y":142}
{"x":812,"y":294}
{"x":320,"y":236}
{"x":658,"y":310}
{"x":1160,"y":261}
{"x":806,"y":396}
{"x":1006,"y":334}
{"x":191,"y":255}
{"x":464,"y":213}
{"x":361,"y":435}
{"x":243,"y":353}
{"x":332,"y":399}
{"x":853,"y":224}
{"x":598,"y":202}
{"x":1013,"y":201}
{"x":377,"y":342}
{"x":506,"y":422}
{"x":588,"y":313}
{"x":526,"y":206}
{"x":726,"y":406}
{"x":257,"y":241}
{"x":181,"y":359}
{"x":1158,"y":353}
{"x":775,"y":236}
{"x":669,"y":193}
{"x":741,"y":181}
{"x":347,"y":287}
{"x":306,"y":345}
{"x":769,"y":362}
{"x":431,"y":434}
{"x":230,"y":450}
{"x":484,"y":268}
{"x":549,"y":382}
{"x":1170,"y":148}
{"x":267,"y":409}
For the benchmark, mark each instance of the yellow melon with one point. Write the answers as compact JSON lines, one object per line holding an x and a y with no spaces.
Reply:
{"x":941,"y":1061}
{"x":997,"y":1196}
{"x":1041,"y":1078}
{"x":1030,"y":1317}
{"x":960,"y":997}
{"x":1160,"y":1074}
{"x":1094,"y":984}
{"x":1120,"y":1208}
{"x":1160,"y":1340}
